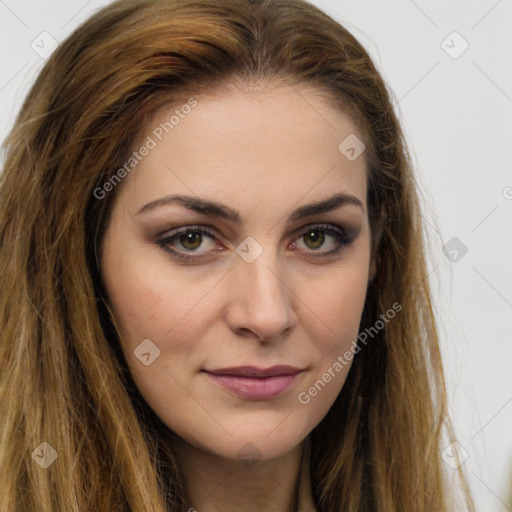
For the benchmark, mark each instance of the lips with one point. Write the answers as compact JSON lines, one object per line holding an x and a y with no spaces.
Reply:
{"x":254,"y":383}
{"x":253,"y":371}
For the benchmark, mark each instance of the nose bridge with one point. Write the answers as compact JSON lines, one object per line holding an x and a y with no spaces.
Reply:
{"x":263,"y":303}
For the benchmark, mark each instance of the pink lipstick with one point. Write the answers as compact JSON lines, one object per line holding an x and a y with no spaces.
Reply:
{"x":255,"y":383}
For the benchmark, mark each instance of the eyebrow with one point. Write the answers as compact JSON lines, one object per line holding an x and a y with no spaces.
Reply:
{"x":216,"y":209}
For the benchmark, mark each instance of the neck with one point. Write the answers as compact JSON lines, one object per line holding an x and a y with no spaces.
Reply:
{"x":216,"y":484}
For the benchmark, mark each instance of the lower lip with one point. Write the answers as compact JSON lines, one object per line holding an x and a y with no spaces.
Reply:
{"x":254,"y":388}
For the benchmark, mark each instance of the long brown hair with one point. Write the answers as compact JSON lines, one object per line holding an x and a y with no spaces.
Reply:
{"x":63,"y":378}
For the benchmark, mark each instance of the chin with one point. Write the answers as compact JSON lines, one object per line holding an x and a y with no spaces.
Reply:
{"x":252,"y":443}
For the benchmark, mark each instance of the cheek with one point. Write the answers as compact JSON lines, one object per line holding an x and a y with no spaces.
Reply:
{"x":146,"y":297}
{"x":151,"y":300}
{"x":338,"y":303}
{"x":344,"y":309}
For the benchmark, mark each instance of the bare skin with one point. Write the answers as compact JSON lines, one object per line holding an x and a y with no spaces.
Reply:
{"x":264,"y":154}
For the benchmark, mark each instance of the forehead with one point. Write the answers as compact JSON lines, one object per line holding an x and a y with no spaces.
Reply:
{"x":281,"y":143}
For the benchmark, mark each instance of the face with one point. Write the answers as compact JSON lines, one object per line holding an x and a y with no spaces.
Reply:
{"x":236,"y":262}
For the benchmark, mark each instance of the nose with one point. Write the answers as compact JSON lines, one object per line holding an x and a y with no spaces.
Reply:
{"x":260,"y":302}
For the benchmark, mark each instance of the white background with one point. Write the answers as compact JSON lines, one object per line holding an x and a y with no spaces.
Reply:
{"x":457,"y":117}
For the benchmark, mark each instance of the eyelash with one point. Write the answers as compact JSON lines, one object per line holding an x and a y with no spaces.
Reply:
{"x":338,"y":233}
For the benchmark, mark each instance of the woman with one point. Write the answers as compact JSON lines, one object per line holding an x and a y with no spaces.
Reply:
{"x":214,"y":287}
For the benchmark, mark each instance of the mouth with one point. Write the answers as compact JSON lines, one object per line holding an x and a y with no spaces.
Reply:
{"x":255,"y":383}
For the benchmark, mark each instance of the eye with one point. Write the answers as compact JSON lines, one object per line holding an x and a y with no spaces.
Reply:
{"x":188,"y":239}
{"x":323,"y":236}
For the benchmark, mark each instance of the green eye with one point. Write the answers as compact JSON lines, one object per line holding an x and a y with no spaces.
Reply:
{"x":316,"y":237}
{"x":191,"y":240}
{"x":183,"y":243}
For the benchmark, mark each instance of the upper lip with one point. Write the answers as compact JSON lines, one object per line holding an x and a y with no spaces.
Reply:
{"x":253,"y":371}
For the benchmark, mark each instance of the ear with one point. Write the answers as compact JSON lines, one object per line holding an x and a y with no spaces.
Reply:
{"x":376,"y":238}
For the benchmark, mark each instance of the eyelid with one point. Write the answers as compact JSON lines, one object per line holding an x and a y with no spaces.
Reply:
{"x":172,"y":232}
